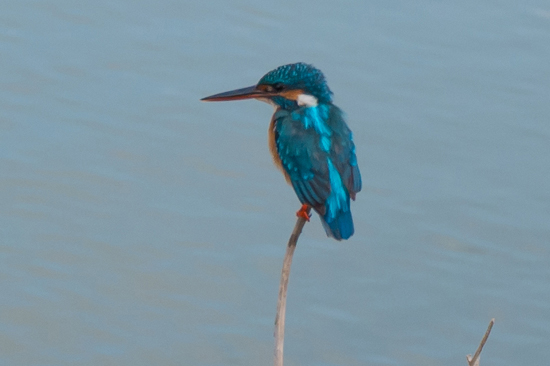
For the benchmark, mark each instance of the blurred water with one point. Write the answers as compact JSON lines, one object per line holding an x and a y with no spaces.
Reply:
{"x":139,"y":226}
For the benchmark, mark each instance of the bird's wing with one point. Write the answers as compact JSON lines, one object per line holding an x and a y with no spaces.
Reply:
{"x":303,"y":160}
{"x":342,"y":152}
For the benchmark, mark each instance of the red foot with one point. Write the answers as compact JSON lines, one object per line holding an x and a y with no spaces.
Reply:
{"x":303,"y":212}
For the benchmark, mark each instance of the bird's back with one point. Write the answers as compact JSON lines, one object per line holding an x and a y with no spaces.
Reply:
{"x":314,"y":148}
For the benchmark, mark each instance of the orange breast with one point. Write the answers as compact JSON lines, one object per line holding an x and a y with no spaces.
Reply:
{"x":273,"y":149}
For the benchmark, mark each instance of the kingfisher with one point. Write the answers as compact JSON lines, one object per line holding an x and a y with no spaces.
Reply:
{"x":309,"y":141}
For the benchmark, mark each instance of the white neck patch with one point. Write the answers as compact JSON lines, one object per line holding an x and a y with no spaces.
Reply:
{"x":307,"y":100}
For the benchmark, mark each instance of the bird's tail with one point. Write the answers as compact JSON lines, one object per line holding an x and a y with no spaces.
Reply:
{"x":339,"y":227}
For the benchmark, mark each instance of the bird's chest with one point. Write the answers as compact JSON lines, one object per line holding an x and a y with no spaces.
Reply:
{"x":273,"y":136}
{"x":287,"y":134}
{"x":295,"y":141}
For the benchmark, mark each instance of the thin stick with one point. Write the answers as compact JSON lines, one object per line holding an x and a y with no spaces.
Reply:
{"x":281,"y":303}
{"x":474,"y":361}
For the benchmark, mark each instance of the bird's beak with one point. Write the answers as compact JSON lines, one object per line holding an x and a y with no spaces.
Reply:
{"x":238,"y":94}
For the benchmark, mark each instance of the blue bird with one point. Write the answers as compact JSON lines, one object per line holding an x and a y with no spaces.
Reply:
{"x":310,"y":142}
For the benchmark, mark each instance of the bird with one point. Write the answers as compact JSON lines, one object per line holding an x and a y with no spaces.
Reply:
{"x":309,"y":141}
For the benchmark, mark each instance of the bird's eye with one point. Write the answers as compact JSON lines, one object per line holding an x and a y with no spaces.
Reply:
{"x":278,"y":87}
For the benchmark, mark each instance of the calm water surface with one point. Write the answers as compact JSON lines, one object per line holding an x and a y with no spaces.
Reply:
{"x":139,"y":226}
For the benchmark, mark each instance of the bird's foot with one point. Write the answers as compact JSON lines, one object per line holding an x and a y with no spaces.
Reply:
{"x":303,"y":212}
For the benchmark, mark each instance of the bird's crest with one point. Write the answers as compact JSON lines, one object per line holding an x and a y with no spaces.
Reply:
{"x":298,"y":76}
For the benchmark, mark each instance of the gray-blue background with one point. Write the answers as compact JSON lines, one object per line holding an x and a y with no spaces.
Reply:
{"x":139,"y":226}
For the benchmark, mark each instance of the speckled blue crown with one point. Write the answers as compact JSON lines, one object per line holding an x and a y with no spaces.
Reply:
{"x":300,"y":76}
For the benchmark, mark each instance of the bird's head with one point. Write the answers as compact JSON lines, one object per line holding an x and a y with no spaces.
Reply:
{"x":288,"y":86}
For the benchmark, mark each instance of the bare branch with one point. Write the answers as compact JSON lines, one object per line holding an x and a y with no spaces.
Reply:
{"x":281,"y":303}
{"x":474,"y":361}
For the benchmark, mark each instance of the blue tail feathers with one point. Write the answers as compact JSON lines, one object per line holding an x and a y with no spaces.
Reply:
{"x":340,"y":227}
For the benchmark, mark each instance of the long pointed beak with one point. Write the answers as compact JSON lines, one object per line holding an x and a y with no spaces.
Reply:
{"x":238,"y":94}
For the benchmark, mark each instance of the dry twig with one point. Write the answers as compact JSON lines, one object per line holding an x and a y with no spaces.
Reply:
{"x":474,"y":361}
{"x":281,"y":303}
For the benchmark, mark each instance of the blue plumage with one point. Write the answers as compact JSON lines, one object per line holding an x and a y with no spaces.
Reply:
{"x":319,"y":159}
{"x":310,"y":142}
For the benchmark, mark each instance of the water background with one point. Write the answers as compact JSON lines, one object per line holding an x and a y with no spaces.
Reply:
{"x":139,"y":226}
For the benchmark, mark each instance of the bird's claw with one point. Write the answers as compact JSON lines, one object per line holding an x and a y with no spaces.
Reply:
{"x":303,"y":212}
